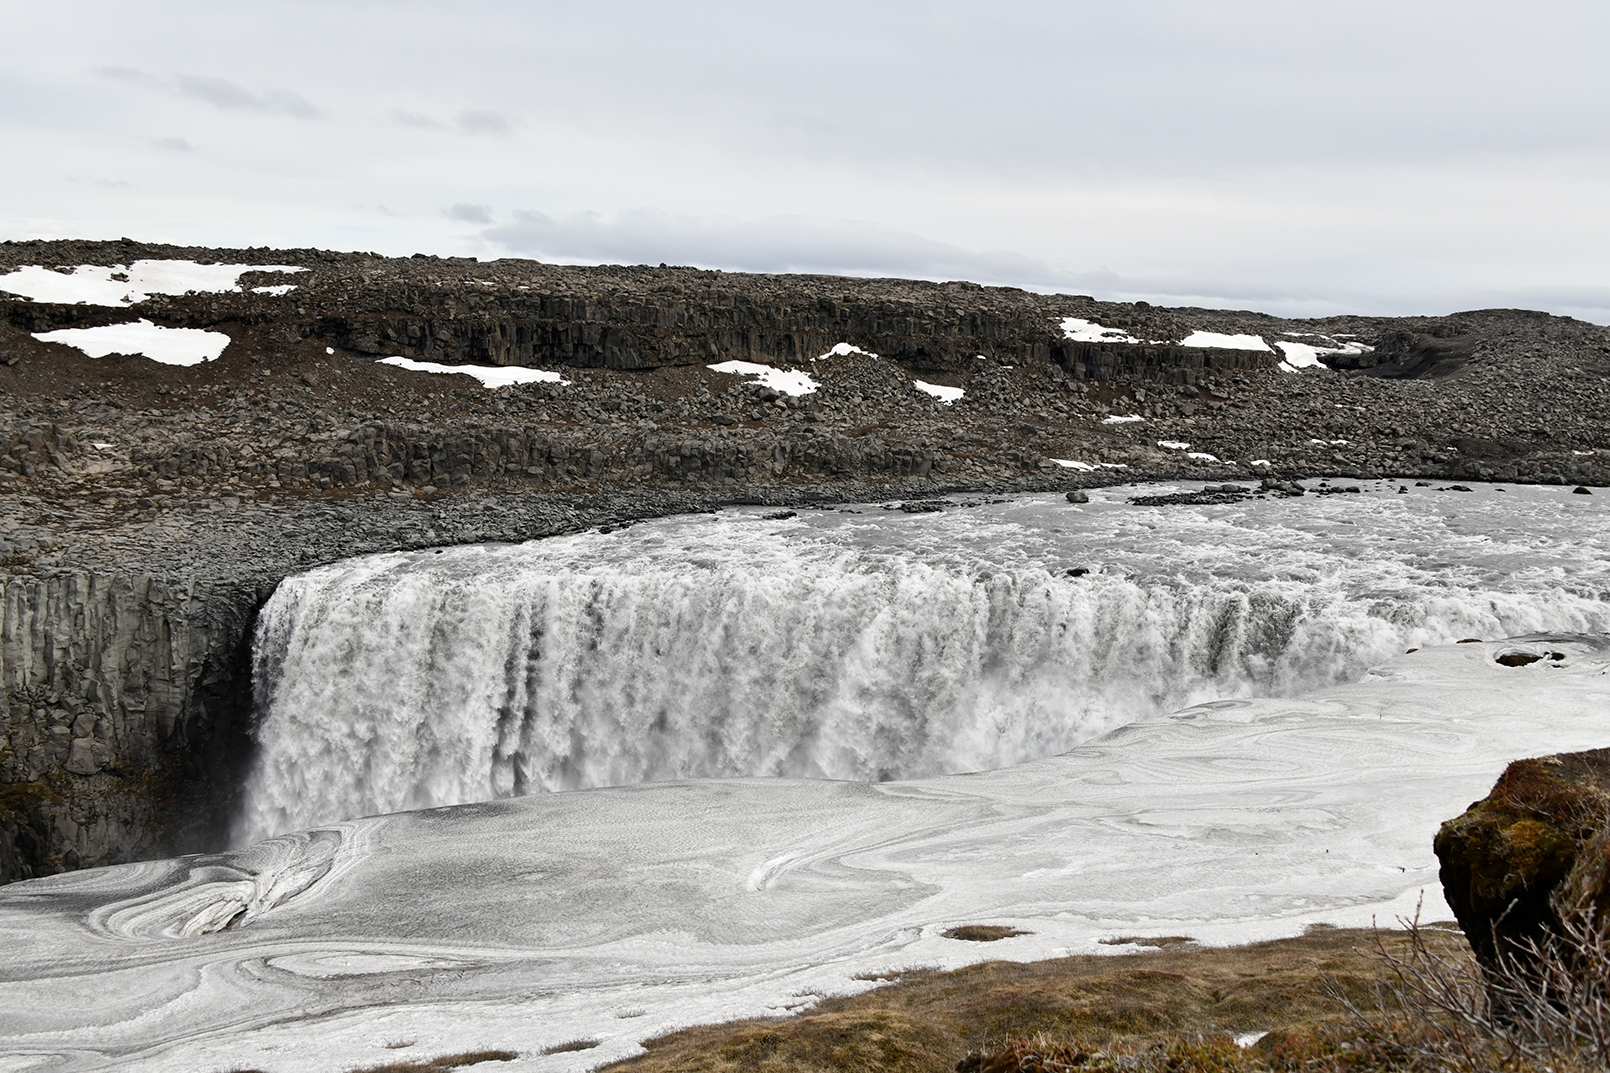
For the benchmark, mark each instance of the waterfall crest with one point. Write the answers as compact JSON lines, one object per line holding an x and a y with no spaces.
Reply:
{"x":738,"y":647}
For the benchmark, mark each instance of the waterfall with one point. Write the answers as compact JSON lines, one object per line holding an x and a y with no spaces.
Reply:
{"x":415,"y":680}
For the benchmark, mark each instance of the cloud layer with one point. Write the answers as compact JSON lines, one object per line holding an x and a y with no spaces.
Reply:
{"x":1306,"y":158}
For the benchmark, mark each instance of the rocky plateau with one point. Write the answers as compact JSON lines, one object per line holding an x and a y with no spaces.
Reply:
{"x":148,"y":510}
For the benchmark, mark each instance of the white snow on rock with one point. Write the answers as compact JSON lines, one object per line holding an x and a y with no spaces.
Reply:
{"x":120,"y":285}
{"x":1121,"y":419}
{"x":783,"y":380}
{"x":844,"y":350}
{"x":1220,"y":341}
{"x":1088,"y":466}
{"x":1201,"y":456}
{"x":939,"y":391}
{"x":1173,"y":445}
{"x":170,"y":346}
{"x":279,"y":290}
{"x":1260,"y":462}
{"x":1297,"y":356}
{"x":1088,"y":331}
{"x":492,"y":376}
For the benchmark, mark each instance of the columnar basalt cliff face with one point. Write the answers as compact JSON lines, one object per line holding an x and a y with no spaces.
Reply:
{"x":125,"y":703}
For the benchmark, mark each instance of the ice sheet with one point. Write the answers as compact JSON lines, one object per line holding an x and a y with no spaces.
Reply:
{"x":96,"y":285}
{"x":170,"y":346}
{"x":788,"y":382}
{"x":492,"y":376}
{"x":619,"y":914}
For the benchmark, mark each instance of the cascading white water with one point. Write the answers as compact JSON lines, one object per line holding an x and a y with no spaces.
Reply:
{"x":871,"y":645}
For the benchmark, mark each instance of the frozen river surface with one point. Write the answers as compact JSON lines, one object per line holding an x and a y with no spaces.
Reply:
{"x":1289,"y":766}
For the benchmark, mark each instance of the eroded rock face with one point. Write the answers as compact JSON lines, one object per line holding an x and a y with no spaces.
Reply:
{"x":1532,"y":854}
{"x":124,"y":708}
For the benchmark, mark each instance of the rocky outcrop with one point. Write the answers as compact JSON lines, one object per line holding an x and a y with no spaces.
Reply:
{"x":125,"y":705}
{"x":1531,"y":855}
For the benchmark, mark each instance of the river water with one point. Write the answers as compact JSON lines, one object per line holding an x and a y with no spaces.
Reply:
{"x":1216,"y":731}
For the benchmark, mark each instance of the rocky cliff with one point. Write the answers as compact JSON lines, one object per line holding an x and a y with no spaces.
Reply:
{"x":147,"y":508}
{"x":125,"y":703}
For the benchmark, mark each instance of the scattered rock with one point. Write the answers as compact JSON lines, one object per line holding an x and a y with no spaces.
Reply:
{"x":1581,"y":490}
{"x":1078,"y":496}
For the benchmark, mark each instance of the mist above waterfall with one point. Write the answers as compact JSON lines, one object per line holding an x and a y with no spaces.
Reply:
{"x":867,"y":646}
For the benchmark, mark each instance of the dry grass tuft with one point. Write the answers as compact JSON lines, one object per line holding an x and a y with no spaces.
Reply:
{"x":982,"y":933}
{"x":571,"y":1045}
{"x":445,"y":1064}
{"x":1153,"y":941}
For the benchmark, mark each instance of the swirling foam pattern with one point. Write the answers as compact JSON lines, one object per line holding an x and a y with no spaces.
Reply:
{"x":871,"y":645}
{"x":616,"y":914}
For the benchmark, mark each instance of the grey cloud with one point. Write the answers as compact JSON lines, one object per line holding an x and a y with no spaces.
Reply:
{"x":470,"y":214}
{"x":779,"y":243}
{"x":417,"y":120}
{"x":172,"y":145}
{"x":476,"y":122}
{"x":132,"y":75}
{"x":225,"y":95}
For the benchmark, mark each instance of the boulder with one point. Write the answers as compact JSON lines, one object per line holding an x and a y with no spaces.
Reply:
{"x":1531,"y":856}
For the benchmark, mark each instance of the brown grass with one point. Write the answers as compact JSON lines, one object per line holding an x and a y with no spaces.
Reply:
{"x":1153,"y":941}
{"x":445,"y":1064}
{"x":928,"y":1020}
{"x":982,"y":933}
{"x":571,"y":1045}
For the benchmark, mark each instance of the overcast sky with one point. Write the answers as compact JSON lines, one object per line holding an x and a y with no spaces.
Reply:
{"x":1300,"y":156}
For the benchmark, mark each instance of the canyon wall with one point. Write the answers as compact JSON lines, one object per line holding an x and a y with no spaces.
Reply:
{"x":125,"y":708}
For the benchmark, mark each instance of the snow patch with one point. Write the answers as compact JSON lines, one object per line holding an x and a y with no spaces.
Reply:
{"x":844,"y":350}
{"x":1122,"y":419}
{"x":1173,"y":445}
{"x":783,"y":380}
{"x":1220,"y":341}
{"x":1298,"y":356}
{"x":1088,"y":331}
{"x":120,"y":285}
{"x":279,"y":290}
{"x":939,"y":391}
{"x":170,"y":346}
{"x":1087,"y":466}
{"x":1201,"y":456}
{"x":492,"y":376}
{"x":1260,"y":462}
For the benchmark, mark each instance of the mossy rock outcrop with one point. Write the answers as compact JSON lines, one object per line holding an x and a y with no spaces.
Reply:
{"x":1532,"y":855}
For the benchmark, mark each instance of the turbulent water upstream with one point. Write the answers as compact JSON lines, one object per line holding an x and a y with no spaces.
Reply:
{"x":869,"y":643}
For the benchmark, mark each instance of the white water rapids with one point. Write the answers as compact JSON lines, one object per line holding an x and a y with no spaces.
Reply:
{"x":873,"y":644}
